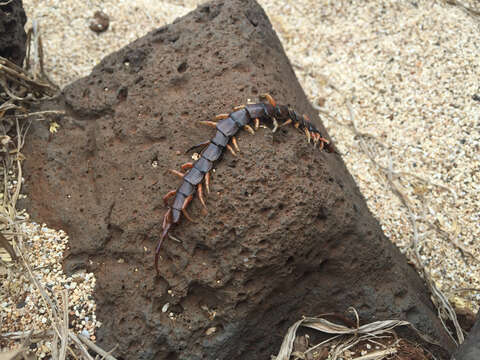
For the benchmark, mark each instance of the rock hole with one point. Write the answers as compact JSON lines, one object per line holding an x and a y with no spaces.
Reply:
{"x":322,"y":213}
{"x":122,"y":93}
{"x":176,"y":309}
{"x":173,"y":38}
{"x":182,"y":67}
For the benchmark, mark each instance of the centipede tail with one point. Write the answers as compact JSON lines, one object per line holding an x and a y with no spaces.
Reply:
{"x":227,"y":126}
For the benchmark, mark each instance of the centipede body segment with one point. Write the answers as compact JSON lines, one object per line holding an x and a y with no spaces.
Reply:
{"x":227,"y":127}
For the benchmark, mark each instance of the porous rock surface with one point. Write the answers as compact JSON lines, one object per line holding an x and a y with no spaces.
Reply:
{"x":287,"y":233}
{"x":12,"y":34}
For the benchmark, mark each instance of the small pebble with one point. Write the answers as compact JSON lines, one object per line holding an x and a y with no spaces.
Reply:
{"x":100,"y":22}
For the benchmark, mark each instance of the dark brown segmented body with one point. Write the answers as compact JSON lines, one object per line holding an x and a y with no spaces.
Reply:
{"x":225,"y":130}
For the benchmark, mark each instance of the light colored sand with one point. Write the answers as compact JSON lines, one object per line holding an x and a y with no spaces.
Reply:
{"x":410,"y":70}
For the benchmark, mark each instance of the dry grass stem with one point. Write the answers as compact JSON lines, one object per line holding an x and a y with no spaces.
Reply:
{"x":105,"y":355}
{"x":378,"y":355}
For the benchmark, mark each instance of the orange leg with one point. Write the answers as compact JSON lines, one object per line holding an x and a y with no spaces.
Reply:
{"x":229,"y":148}
{"x":168,"y":196}
{"x":289,"y":121}
{"x":187,"y":166}
{"x":249,"y":129}
{"x":257,"y":123}
{"x":200,"y":195}
{"x":207,"y":182}
{"x":239,"y":107}
{"x":221,"y":116}
{"x":323,"y":142}
{"x":307,"y":133}
{"x":178,"y":173}
{"x":270,"y":99}
{"x":235,"y":143}
{"x":296,"y":125}
{"x":209,"y":123}
{"x":184,"y":208}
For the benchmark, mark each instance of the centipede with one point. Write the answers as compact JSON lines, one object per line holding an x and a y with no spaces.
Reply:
{"x":248,"y":117}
